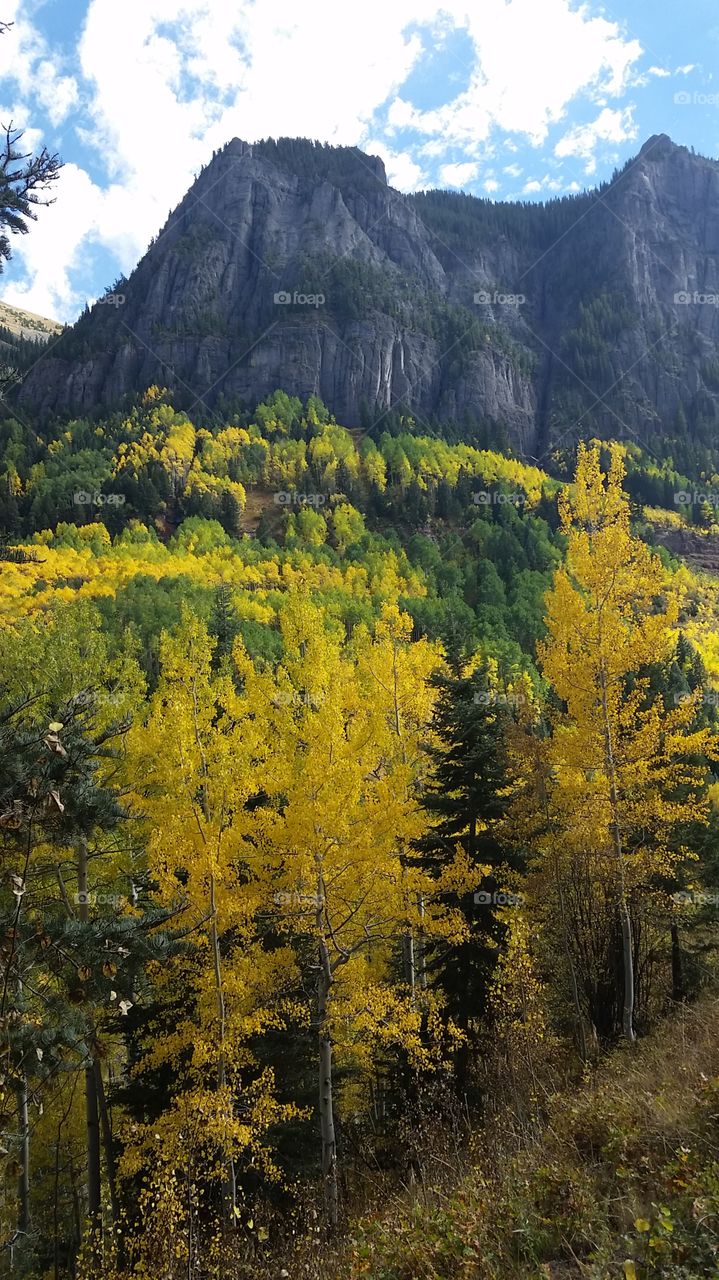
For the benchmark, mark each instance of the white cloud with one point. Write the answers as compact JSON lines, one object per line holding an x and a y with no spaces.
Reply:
{"x":660,"y":72}
{"x":401,"y":114}
{"x":491,"y":185}
{"x":402,"y":171}
{"x":432,"y":150}
{"x":547,"y":183}
{"x":458,"y":175}
{"x":28,"y":64}
{"x":532,"y":58}
{"x":513,"y":170}
{"x":51,"y":249}
{"x":583,"y":140}
{"x":58,"y":93}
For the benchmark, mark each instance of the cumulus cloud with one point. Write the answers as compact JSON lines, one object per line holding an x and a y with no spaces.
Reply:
{"x":609,"y":126}
{"x":402,"y":171}
{"x":513,"y":88}
{"x":31,"y":71}
{"x":458,"y":175}
{"x":52,"y":249}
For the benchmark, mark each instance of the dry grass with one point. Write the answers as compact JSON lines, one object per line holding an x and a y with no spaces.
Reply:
{"x":636,"y":1142}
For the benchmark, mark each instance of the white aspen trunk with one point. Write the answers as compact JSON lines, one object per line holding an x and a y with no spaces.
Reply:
{"x":408,"y":961}
{"x":325,"y":1084}
{"x":421,"y":958}
{"x":624,"y":916}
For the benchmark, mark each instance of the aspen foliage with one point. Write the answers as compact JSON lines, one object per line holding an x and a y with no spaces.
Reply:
{"x":336,"y":785}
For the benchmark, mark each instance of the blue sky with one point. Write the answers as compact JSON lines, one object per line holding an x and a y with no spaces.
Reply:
{"x":508,"y":98}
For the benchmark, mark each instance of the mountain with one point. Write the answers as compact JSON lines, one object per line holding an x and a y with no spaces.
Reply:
{"x":26,"y":324}
{"x":24,"y":339}
{"x":292,"y":264}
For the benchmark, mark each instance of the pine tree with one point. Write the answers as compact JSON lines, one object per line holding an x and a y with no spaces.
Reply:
{"x":464,"y":800}
{"x":54,"y":802}
{"x":23,"y":177}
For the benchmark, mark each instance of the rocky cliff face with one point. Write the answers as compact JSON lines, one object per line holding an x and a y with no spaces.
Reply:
{"x":296,"y":266}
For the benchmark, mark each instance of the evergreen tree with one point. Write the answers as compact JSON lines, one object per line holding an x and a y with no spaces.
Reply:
{"x":464,"y":800}
{"x":223,"y":623}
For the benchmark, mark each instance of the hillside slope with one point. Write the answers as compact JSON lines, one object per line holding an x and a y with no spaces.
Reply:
{"x":620,"y":1179}
{"x":27,"y":324}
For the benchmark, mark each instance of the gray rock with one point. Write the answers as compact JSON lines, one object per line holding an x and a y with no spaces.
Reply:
{"x":598,"y":337}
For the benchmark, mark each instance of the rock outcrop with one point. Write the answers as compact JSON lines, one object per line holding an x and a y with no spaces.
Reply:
{"x":293,"y":265}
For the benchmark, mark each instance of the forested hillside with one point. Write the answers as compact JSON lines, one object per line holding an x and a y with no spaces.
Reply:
{"x":357,"y":801}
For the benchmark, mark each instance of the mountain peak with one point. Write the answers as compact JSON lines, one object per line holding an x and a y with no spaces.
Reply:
{"x":236,"y":147}
{"x":322,"y":161}
{"x":658,"y":146}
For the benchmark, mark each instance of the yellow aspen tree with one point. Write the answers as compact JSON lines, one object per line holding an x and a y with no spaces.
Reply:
{"x":343,"y":809}
{"x":201,"y":755}
{"x":617,"y":755}
{"x":397,"y":677}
